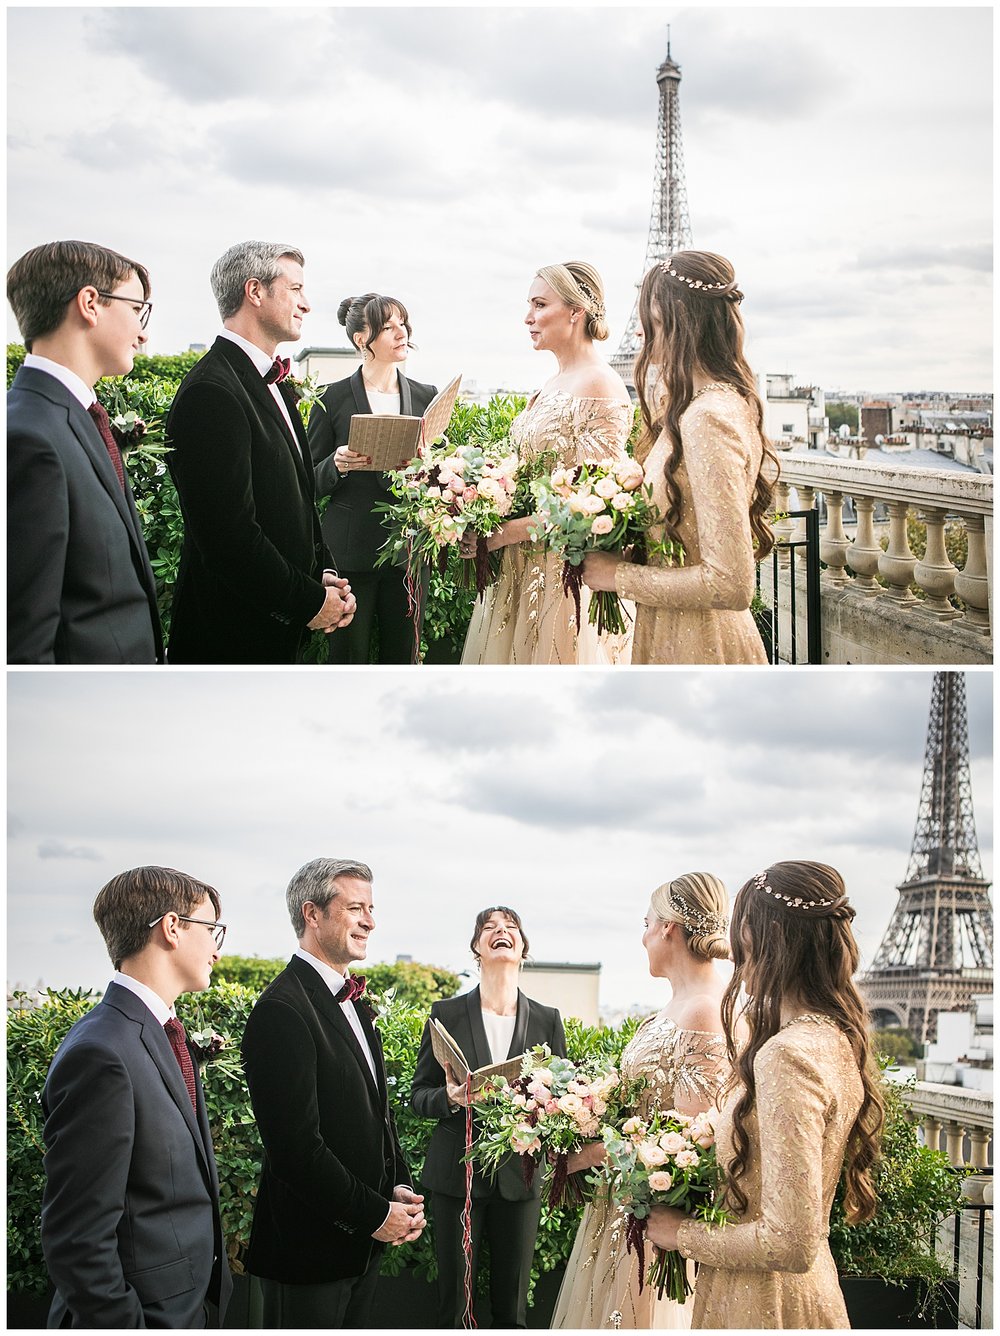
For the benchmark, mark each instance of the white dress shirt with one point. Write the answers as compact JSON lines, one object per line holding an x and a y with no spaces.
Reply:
{"x":263,"y":363}
{"x":152,"y":1000}
{"x":78,"y":388}
{"x":335,"y":982}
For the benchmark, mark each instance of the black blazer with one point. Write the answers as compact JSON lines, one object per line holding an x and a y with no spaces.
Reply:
{"x":251,"y":567}
{"x":462,"y":1017}
{"x":79,"y":585}
{"x":352,"y":528}
{"x":130,"y":1213}
{"x":331,"y":1154}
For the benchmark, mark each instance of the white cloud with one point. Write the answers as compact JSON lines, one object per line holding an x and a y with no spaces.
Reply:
{"x":443,"y":154}
{"x":568,"y":795}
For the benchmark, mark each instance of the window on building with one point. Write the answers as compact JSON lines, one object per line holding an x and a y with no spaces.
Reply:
{"x":788,"y":426}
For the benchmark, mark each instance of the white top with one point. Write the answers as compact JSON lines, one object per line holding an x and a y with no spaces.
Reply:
{"x":263,"y":363}
{"x":78,"y":388}
{"x":383,"y":403}
{"x":499,"y":1033}
{"x":152,"y":1000}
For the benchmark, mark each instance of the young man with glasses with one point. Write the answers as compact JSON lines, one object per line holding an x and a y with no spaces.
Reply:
{"x":130,"y":1214}
{"x":80,"y":588}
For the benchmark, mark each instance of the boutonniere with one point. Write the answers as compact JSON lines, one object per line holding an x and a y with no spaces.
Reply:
{"x":206,"y":1044}
{"x":128,"y":429}
{"x":307,"y":393}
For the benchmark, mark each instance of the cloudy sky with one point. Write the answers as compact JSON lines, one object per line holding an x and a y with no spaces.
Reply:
{"x":569,"y":795}
{"x":840,"y":156}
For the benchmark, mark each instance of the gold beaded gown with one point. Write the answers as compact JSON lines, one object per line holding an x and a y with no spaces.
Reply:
{"x":773,"y":1268}
{"x":699,"y":612}
{"x":601,"y":1285}
{"x":525,"y":617}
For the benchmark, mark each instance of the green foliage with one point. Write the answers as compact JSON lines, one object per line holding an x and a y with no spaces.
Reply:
{"x":34,"y":1035}
{"x":254,"y":972}
{"x":839,"y":413}
{"x":410,"y":983}
{"x":896,"y":1045}
{"x":916,"y":1189}
{"x":15,"y":356}
{"x":164,"y":366}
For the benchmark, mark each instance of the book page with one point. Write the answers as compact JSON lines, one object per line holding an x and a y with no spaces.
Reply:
{"x":438,"y":412}
{"x":389,"y":439}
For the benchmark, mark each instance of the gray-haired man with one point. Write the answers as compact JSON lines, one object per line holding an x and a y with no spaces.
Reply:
{"x":255,"y":574}
{"x":334,"y":1187}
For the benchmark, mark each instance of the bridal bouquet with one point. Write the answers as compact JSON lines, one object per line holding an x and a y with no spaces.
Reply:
{"x":666,"y":1160}
{"x":552,"y":1108}
{"x":444,"y":493}
{"x":598,"y":508}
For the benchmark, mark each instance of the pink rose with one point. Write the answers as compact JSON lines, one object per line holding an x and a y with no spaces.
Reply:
{"x":686,"y":1159}
{"x":621,"y":501}
{"x":602,"y":524}
{"x":673,"y":1142}
{"x":551,"y":1106}
{"x":660,"y":1181}
{"x":606,"y":487}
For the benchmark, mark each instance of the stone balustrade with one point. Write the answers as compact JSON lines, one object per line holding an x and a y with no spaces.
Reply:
{"x":955,"y":1120}
{"x":870,"y":611}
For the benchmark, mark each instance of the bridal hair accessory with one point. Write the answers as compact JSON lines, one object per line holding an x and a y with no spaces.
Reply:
{"x":838,"y":909}
{"x":596,"y":307}
{"x":729,"y":290}
{"x":698,"y":922}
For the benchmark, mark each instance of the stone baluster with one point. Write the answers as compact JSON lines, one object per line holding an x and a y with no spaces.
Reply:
{"x":865,"y":551}
{"x":784,"y":529}
{"x":833,"y":542}
{"x":980,"y":1154}
{"x":807,"y":501}
{"x":932,"y":1132}
{"x":972,"y":583}
{"x":896,"y":565}
{"x":934,"y":572}
{"x":954,"y":1137}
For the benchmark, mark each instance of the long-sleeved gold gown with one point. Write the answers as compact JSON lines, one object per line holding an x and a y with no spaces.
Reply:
{"x":773,"y":1269}
{"x":601,"y":1285}
{"x":525,"y":617}
{"x":699,"y":612}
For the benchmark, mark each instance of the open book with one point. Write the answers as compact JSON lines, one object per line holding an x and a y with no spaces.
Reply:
{"x":391,"y":439}
{"x":446,"y":1050}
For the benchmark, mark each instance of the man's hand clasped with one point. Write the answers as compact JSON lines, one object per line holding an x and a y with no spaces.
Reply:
{"x":406,"y":1218}
{"x":339,"y":606}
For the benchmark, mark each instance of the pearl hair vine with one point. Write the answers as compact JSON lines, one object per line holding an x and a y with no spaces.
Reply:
{"x":698,"y":922}
{"x":794,"y":901}
{"x":730,"y":290}
{"x":596,"y":307}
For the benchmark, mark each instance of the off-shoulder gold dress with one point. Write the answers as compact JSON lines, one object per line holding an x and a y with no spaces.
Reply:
{"x":601,"y":1285}
{"x":525,"y":617}
{"x":699,"y":613}
{"x":773,"y":1269}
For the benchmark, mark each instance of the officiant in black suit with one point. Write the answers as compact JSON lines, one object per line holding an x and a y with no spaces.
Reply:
{"x":379,"y":327}
{"x":255,"y":574}
{"x":334,"y":1187}
{"x":493,"y":1022}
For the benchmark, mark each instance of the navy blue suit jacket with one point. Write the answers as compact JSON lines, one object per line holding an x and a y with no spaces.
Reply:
{"x":130,"y":1213}
{"x":79,"y":584}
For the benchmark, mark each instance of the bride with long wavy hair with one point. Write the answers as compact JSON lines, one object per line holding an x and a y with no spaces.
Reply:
{"x":803,"y":1110}
{"x":709,"y":464}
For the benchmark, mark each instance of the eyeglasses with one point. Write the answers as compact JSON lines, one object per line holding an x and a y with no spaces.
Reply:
{"x":218,"y":929}
{"x":145,"y":309}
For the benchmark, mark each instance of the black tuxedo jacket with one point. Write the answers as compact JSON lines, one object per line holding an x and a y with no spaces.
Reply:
{"x":352,"y":527}
{"x":79,"y":584}
{"x":331,"y":1154}
{"x":130,"y":1213}
{"x":462,"y":1017}
{"x":251,"y":567}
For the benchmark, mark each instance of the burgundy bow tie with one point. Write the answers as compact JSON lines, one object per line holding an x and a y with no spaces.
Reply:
{"x":280,"y":368}
{"x":352,"y":989}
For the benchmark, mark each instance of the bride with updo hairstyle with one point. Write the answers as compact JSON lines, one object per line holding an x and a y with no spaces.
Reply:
{"x":710,"y":465}
{"x":802,"y":1111}
{"x":582,"y":414}
{"x":681,"y":1054}
{"x":386,"y":626}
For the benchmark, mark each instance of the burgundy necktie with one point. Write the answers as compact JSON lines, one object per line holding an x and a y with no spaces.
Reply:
{"x":98,"y":412}
{"x":178,"y":1042}
{"x":280,"y":368}
{"x":352,"y":989}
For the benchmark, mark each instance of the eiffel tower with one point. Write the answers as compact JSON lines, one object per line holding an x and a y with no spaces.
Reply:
{"x":669,"y":224}
{"x":937,"y":952}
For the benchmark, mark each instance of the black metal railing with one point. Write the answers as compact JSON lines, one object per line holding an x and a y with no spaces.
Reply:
{"x":804,"y":642}
{"x":974,"y":1212}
